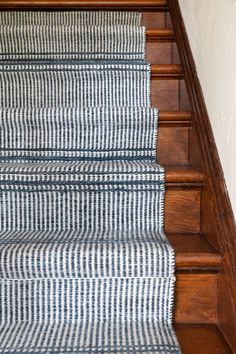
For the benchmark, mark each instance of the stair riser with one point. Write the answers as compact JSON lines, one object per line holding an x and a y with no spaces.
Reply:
{"x":182,"y":210}
{"x":63,"y":210}
{"x":196,"y":298}
{"x":83,"y":207}
{"x":156,"y":19}
{"x":116,"y":299}
{"x":169,"y":94}
{"x":173,"y":145}
{"x":162,"y":53}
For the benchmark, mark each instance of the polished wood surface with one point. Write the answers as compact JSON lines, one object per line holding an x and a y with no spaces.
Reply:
{"x":168,"y":93}
{"x":178,"y":117}
{"x":84,"y":4}
{"x":184,"y":176}
{"x":159,"y":34}
{"x":201,"y":339}
{"x":195,"y":300}
{"x":193,"y":251}
{"x":182,"y":210}
{"x":172,"y":146}
{"x":166,"y":71}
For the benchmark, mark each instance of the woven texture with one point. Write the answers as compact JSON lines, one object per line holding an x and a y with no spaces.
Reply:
{"x":74,"y":84}
{"x":85,"y":266}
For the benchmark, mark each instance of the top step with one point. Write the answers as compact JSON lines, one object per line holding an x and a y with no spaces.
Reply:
{"x":85,"y":4}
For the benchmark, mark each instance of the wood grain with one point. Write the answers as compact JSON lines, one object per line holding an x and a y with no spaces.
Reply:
{"x":159,"y":53}
{"x":165,"y":94}
{"x":193,"y":252}
{"x":172,"y":145}
{"x":166,"y":71}
{"x":196,"y":300}
{"x":182,"y":211}
{"x":154,"y":19}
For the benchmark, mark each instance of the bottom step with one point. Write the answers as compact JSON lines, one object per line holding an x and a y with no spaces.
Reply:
{"x":91,"y":337}
{"x":201,"y":339}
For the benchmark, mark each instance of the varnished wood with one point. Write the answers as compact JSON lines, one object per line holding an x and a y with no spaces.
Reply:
{"x":162,"y":52}
{"x":159,"y":35}
{"x":160,"y":46}
{"x":166,"y":71}
{"x":196,"y":300}
{"x":201,"y":339}
{"x":182,"y":211}
{"x":217,"y":215}
{"x":193,"y":251}
{"x":184,"y":176}
{"x":165,"y":94}
{"x":172,"y":144}
{"x":178,"y":117}
{"x":154,"y":19}
{"x":82,"y":4}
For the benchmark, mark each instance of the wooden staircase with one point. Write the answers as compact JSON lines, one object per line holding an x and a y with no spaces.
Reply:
{"x":198,"y":257}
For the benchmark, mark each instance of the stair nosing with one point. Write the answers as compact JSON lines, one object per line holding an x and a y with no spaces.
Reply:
{"x":195,"y":259}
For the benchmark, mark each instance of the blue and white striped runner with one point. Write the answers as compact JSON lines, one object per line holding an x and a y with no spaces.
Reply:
{"x":74,"y":84}
{"x":85,"y":266}
{"x":63,"y":133}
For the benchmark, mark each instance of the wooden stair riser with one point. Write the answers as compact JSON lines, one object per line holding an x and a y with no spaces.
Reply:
{"x":196,"y":298}
{"x":182,"y":210}
{"x":162,"y":53}
{"x":156,"y":19}
{"x":169,"y":94}
{"x":172,"y":145}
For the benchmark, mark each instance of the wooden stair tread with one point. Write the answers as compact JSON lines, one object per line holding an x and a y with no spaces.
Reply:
{"x":86,"y":4}
{"x":183,"y":174}
{"x":166,"y":71}
{"x":201,"y":339}
{"x":175,"y":116}
{"x":159,"y":34}
{"x":193,"y":251}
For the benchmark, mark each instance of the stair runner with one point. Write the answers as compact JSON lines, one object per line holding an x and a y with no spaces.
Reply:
{"x":85,"y":266}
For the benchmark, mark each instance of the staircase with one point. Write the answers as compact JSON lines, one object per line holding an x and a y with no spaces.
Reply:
{"x":197,"y":261}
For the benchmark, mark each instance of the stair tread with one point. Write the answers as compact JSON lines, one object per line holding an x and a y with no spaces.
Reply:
{"x":85,"y":4}
{"x":194,"y":251}
{"x":179,"y":116}
{"x":183,"y":174}
{"x":166,"y":70}
{"x":201,"y":339}
{"x":159,"y":34}
{"x":97,"y":336}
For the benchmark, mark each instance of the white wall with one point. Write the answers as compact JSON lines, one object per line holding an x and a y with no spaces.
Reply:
{"x":211,"y":27}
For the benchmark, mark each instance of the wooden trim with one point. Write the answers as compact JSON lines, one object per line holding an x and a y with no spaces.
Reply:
{"x":84,"y":4}
{"x":175,"y":118}
{"x":215,"y":184}
{"x":159,"y":35}
{"x":166,"y":71}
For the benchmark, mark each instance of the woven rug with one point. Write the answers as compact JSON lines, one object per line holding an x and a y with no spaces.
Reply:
{"x":85,"y":266}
